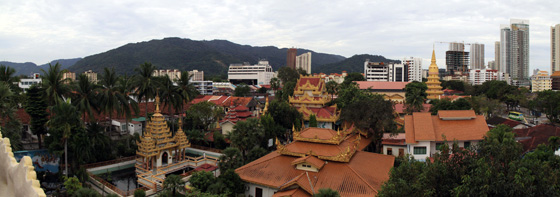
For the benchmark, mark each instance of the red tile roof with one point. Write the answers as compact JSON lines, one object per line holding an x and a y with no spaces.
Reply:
{"x":538,"y":135}
{"x":399,"y":108}
{"x":381,"y":85}
{"x":425,"y":127}
{"x":292,"y":193}
{"x":318,"y":133}
{"x":314,"y":161}
{"x":224,"y":101}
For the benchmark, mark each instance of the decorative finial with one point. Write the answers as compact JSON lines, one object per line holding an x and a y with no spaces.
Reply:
{"x":434,"y":56}
{"x":180,"y":124}
{"x":157,"y":103}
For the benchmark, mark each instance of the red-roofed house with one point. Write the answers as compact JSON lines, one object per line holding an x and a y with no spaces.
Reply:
{"x":394,"y":144}
{"x":227,"y":101}
{"x":426,"y":132}
{"x":393,"y":91}
{"x":234,"y":115}
{"x":530,"y":138}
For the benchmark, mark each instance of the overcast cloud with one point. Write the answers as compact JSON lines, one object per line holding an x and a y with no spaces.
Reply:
{"x":41,"y":31}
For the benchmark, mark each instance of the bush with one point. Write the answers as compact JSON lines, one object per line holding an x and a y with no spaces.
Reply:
{"x":139,"y":193}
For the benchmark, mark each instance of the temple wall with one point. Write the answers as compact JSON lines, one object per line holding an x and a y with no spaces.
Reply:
{"x":17,"y":179}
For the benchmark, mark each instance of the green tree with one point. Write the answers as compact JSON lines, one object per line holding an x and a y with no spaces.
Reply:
{"x":145,"y":83}
{"x":327,"y":192}
{"x":36,"y":106}
{"x":312,"y":120}
{"x":86,"y":192}
{"x":355,"y":76}
{"x":272,"y":130}
{"x":85,"y":97}
{"x":204,"y":114}
{"x":287,"y":74}
{"x":201,"y":180}
{"x":219,"y":140}
{"x":548,"y":103}
{"x":7,"y":75}
{"x":125,"y":86}
{"x":415,"y":94}
{"x":284,"y":114}
{"x":446,"y":104}
{"x":72,"y":185}
{"x":171,"y":96}
{"x":246,"y":135}
{"x":332,"y":87}
{"x":65,"y":118}
{"x":231,"y":159}
{"x":139,"y":193}
{"x":454,"y":85}
{"x":173,"y":183}
{"x":53,"y":83}
{"x":187,"y":89}
{"x":242,"y":90}
{"x":274,"y":84}
{"x":9,"y":124}
{"x":232,"y":182}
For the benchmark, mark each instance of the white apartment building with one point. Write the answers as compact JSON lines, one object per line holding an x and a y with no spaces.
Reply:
{"x":303,"y":61}
{"x":541,"y":81}
{"x":258,"y":74}
{"x":477,"y":56}
{"x":204,"y":87}
{"x":338,"y":78}
{"x":478,"y":77}
{"x":24,"y":84}
{"x":414,"y":68}
{"x":174,"y":74}
{"x":92,"y":76}
{"x":380,"y":71}
{"x":196,"y":75}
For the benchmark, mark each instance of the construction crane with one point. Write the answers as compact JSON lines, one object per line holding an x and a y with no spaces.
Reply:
{"x":450,"y":48}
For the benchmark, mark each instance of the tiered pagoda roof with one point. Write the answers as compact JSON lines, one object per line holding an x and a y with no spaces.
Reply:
{"x":236,"y":114}
{"x":158,"y":137}
{"x":333,"y":158}
{"x":310,"y":97}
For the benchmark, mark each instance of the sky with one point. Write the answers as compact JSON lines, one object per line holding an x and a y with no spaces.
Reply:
{"x":40,"y":31}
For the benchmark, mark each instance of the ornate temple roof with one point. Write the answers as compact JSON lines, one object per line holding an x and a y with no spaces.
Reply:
{"x":433,"y":83}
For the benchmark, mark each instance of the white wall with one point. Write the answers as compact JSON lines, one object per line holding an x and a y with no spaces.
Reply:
{"x":267,"y":191}
{"x":395,"y":149}
{"x":431,"y":148}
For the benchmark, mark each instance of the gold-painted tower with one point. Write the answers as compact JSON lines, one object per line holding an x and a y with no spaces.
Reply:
{"x":434,"y":85}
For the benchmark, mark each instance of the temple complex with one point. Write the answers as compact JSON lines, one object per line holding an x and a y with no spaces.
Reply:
{"x":434,"y":85}
{"x":234,"y":115}
{"x":310,"y":98}
{"x":157,"y":145}
{"x":318,"y":158}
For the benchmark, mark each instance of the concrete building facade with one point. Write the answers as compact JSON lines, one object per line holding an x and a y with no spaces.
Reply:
{"x":291,"y":58}
{"x":414,"y":68}
{"x":541,"y":81}
{"x":303,"y":61}
{"x":381,"y":71}
{"x":514,"y":50}
{"x":258,"y":74}
{"x":477,"y":56}
{"x":555,"y":48}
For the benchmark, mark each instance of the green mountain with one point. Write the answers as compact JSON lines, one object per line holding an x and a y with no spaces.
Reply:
{"x":351,"y":64}
{"x":29,"y":68}
{"x":212,"y":57}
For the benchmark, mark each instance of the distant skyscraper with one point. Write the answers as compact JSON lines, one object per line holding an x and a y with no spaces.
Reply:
{"x":477,"y":56}
{"x":414,"y":68}
{"x":456,"y":46}
{"x":456,"y":59}
{"x":303,"y":61}
{"x":291,"y":58}
{"x":555,"y":48}
{"x":492,"y":65}
{"x":514,"y":49}
{"x":497,"y":56}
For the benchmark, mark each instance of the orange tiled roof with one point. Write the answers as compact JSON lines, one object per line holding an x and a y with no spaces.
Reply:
{"x":362,"y":176}
{"x":555,"y":74}
{"x":327,"y":150}
{"x":425,"y":127}
{"x":292,"y":193}
{"x":399,"y":107}
{"x":317,"y":133}
{"x":456,"y":114}
{"x":316,"y":162}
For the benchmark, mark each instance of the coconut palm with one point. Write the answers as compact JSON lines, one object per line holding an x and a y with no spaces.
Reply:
{"x":65,"y":117}
{"x":54,"y":85}
{"x":173,"y":183}
{"x":7,"y":74}
{"x":112,"y":99}
{"x":85,"y":97}
{"x":7,"y":105}
{"x":125,"y":86}
{"x":145,"y":84}
{"x":331,"y":86}
{"x":187,"y":89}
{"x":170,"y":95}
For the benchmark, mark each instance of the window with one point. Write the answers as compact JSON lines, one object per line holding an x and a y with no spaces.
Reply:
{"x":389,"y":151}
{"x":420,"y":150}
{"x":467,"y":144}
{"x":439,"y":146}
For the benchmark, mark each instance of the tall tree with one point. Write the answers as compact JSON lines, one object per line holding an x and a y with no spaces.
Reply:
{"x":274,"y":84}
{"x":415,"y":93}
{"x":242,"y":90}
{"x":7,"y":75}
{"x":36,"y":106}
{"x":355,"y":76}
{"x":287,"y":74}
{"x":10,"y":126}
{"x":246,"y":135}
{"x":65,"y":118}
{"x":125,"y":85}
{"x":170,"y":95}
{"x":55,"y":86}
{"x":174,"y":183}
{"x":312,"y":120}
{"x":231,"y":159}
{"x":548,"y":102}
{"x":204,"y":114}
{"x":145,"y":83}
{"x":332,"y":87}
{"x":85,"y":97}
{"x":201,"y":180}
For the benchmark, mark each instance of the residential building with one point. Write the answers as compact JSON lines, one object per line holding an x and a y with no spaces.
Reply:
{"x":132,"y":127}
{"x":457,"y":62}
{"x":555,"y":80}
{"x":258,"y":74}
{"x":303,"y":61}
{"x":393,"y":91}
{"x":24,"y":84}
{"x":425,"y":73}
{"x":514,"y":50}
{"x":69,"y":75}
{"x":555,"y":48}
{"x":433,"y":83}
{"x":394,"y":144}
{"x":541,"y":82}
{"x":496,"y":120}
{"x":478,"y":77}
{"x":234,"y":115}
{"x":318,"y":158}
{"x":204,"y":87}
{"x":196,"y":75}
{"x":174,"y":74}
{"x":381,"y":71}
{"x":414,"y":68}
{"x":532,"y":137}
{"x":291,"y":58}
{"x":227,"y":101}
{"x":497,"y":56}
{"x":477,"y":56}
{"x":92,"y":76}
{"x":311,"y":98}
{"x":425,"y":133}
{"x":338,"y":78}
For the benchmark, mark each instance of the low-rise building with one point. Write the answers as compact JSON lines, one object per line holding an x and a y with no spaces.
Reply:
{"x":393,"y":91}
{"x":204,"y":87}
{"x":394,"y":144}
{"x":234,"y":115}
{"x":541,"y":81}
{"x":25,"y":84}
{"x":338,"y":78}
{"x":478,"y":77}
{"x":425,"y":133}
{"x":258,"y":74}
{"x":92,"y":76}
{"x":123,"y":128}
{"x":174,"y":74}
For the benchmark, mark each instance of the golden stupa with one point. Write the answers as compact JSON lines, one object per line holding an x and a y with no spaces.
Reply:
{"x":434,"y":85}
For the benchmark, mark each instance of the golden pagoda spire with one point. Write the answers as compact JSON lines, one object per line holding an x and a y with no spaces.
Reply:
{"x":157,"y":103}
{"x":180,"y":124}
{"x":433,"y":83}
{"x":433,"y":57}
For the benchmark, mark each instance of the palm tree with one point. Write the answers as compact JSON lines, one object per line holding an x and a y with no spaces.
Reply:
{"x":125,"y":86}
{"x":112,"y":99}
{"x":7,"y":75}
{"x":7,"y":105}
{"x":54,"y":85}
{"x":65,"y":117}
{"x":170,"y":96}
{"x":173,"y":183}
{"x":85,"y":97}
{"x":145,"y":83}
{"x":101,"y":142}
{"x":274,"y":84}
{"x":187,"y":89}
{"x":331,"y":86}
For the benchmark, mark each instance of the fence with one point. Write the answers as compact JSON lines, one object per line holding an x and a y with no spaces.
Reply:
{"x":104,"y":163}
{"x":206,"y":148}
